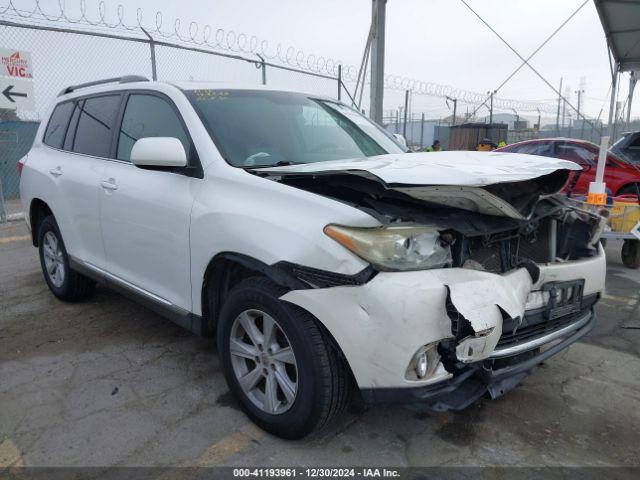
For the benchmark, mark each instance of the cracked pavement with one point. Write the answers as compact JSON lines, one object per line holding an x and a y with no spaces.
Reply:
{"x":108,"y":382}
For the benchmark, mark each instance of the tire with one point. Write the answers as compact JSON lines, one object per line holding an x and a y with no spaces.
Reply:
{"x":631,"y":253}
{"x":64,"y":283}
{"x":322,"y":381}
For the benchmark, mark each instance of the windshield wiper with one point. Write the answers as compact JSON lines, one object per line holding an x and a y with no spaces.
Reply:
{"x":281,"y":163}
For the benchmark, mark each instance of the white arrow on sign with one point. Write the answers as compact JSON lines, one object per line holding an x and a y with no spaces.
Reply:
{"x":16,"y":94}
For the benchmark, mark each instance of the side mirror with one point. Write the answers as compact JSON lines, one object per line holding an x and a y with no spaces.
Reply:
{"x":400,"y":139}
{"x":158,"y":152}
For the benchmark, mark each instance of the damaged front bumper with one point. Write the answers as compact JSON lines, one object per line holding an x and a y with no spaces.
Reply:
{"x":504,"y":320}
{"x":494,"y":376}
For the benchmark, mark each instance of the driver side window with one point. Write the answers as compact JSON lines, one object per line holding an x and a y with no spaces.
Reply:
{"x":148,"y":116}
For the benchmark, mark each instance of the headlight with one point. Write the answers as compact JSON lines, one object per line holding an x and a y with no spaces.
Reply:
{"x":394,"y":248}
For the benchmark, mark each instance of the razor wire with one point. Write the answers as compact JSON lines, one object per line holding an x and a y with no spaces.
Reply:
{"x":241,"y":43}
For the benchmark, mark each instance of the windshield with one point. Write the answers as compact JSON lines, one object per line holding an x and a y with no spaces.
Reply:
{"x":254,"y":128}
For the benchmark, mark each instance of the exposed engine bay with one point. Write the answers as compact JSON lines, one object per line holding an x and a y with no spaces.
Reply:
{"x":494,"y":228}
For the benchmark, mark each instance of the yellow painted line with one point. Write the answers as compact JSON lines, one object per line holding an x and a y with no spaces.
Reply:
{"x":10,"y":455}
{"x":229,"y":446}
{"x":217,"y":453}
{"x":16,"y":238}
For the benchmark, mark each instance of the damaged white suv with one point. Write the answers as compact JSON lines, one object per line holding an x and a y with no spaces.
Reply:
{"x":324,"y":258}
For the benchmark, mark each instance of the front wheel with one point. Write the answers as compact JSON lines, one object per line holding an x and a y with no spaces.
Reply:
{"x":65,"y":283}
{"x":281,"y":366}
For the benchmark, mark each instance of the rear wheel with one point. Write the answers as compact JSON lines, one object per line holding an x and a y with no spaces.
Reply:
{"x":65,"y":283}
{"x":283,"y":369}
{"x":631,"y":253}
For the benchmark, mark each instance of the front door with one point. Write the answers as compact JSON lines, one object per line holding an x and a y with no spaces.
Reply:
{"x":145,"y":213}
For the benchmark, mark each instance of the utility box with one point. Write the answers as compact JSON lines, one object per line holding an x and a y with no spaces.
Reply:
{"x":468,"y":135}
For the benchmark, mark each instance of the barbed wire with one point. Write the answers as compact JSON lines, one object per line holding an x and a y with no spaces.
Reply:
{"x":241,"y":43}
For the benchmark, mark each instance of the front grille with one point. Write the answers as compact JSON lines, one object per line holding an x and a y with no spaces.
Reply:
{"x":524,"y":334}
{"x":536,"y":324}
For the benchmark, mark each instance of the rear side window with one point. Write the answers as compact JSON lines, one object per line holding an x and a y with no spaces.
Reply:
{"x":534,"y":149}
{"x":57,"y":127}
{"x":95,"y":125}
{"x":148,"y":116}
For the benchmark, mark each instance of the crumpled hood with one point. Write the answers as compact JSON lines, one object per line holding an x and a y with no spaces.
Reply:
{"x":439,"y":168}
{"x":493,"y":183}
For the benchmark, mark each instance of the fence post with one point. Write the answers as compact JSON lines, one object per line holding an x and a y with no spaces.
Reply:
{"x":263,"y":67}
{"x":422,"y":131}
{"x":152,"y":47}
{"x":406,"y":107}
{"x":339,"y":82}
{"x":3,"y":211}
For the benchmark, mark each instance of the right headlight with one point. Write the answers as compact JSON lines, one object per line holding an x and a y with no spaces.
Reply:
{"x":394,"y":248}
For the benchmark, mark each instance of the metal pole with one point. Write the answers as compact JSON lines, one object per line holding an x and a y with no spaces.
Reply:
{"x":406,"y":108}
{"x":455,"y":109}
{"x":612,"y":103}
{"x":377,"y":60}
{"x":558,"y":112}
{"x":632,"y":86}
{"x":564,"y":109}
{"x":539,"y":118}
{"x":491,"y":107}
{"x":3,"y":210}
{"x":339,"y":82}
{"x":422,"y":131}
{"x":580,"y":92}
{"x":152,"y":47}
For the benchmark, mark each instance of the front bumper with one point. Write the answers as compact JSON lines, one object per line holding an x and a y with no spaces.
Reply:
{"x":494,"y":376}
{"x":381,"y":324}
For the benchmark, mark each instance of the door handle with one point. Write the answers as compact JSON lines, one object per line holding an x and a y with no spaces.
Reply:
{"x":109,"y":184}
{"x":56,"y":172}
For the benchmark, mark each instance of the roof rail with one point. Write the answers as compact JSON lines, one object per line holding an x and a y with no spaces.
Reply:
{"x":124,"y":79}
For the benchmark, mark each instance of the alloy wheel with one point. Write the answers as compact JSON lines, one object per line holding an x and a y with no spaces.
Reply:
{"x":263,"y":361}
{"x":53,"y":259}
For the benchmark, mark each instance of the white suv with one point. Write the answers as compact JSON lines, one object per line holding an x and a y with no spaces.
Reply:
{"x":325,"y":259}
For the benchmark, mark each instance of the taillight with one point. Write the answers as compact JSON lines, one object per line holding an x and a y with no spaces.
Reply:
{"x":21,"y":164}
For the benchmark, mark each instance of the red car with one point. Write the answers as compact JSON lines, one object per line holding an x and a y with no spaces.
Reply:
{"x":621,"y":177}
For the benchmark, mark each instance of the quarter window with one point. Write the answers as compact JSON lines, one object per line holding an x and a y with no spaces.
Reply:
{"x":95,"y":125}
{"x":57,"y":127}
{"x":148,"y":116}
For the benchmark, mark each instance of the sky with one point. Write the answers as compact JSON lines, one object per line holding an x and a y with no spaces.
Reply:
{"x":438,"y":41}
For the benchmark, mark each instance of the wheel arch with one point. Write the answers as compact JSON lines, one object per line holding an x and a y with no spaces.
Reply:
{"x":38,"y":211}
{"x":629,"y":186}
{"x":227,"y":269}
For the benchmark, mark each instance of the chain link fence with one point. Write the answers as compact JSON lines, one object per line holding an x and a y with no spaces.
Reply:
{"x":66,"y":56}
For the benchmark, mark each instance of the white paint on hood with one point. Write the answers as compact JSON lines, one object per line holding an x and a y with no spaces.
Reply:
{"x":439,"y":168}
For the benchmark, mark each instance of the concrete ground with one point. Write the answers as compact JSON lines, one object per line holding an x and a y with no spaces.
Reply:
{"x":108,"y":382}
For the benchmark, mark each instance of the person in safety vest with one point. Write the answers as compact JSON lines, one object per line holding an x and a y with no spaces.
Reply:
{"x":434,"y":147}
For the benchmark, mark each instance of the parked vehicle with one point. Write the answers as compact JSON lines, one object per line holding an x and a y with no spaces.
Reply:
{"x":325,"y":259}
{"x":628,"y":147}
{"x":621,"y":177}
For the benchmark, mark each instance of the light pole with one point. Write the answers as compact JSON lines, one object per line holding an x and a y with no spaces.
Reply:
{"x":491,"y":106}
{"x":517,"y":119}
{"x":580,"y":92}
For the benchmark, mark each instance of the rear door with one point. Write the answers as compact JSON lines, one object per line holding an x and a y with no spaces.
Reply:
{"x":78,"y":166}
{"x":145,"y":212}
